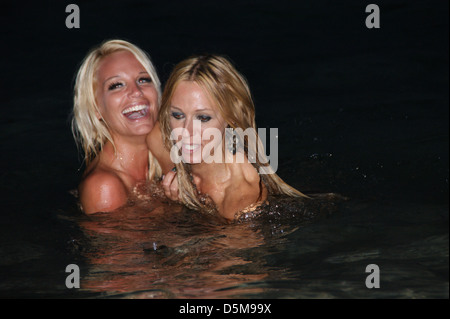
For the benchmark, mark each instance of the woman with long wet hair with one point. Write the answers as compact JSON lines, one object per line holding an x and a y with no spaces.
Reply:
{"x":204,"y":93}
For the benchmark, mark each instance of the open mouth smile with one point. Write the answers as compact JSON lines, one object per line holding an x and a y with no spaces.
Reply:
{"x":136,"y":112}
{"x":190,"y":148}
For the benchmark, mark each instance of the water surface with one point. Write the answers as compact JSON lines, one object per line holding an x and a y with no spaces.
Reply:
{"x":290,"y":250}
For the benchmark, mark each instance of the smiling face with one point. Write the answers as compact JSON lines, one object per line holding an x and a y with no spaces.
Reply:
{"x":190,"y":103}
{"x":126,"y":97}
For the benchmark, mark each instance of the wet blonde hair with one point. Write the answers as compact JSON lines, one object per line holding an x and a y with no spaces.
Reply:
{"x":230,"y":93}
{"x":89,"y":132}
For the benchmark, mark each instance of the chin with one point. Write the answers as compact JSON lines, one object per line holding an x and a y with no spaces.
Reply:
{"x":192,"y":158}
{"x":144,"y":129}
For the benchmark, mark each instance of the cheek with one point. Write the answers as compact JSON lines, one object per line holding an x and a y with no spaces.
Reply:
{"x":106,"y":102}
{"x":214,"y":136}
{"x":102,"y":106}
{"x":151,"y":94}
{"x":176,"y":130}
{"x":174,"y":123}
{"x":154,"y":110}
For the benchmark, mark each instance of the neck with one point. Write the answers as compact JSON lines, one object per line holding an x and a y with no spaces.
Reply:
{"x":130,"y":157}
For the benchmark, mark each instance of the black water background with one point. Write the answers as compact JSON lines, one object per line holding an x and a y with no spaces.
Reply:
{"x":360,"y":112}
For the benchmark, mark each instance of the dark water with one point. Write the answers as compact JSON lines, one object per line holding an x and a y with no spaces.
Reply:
{"x":179,"y":254}
{"x":362,"y":113}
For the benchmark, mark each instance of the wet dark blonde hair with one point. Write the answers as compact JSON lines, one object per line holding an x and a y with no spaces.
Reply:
{"x":89,"y":132}
{"x":230,"y":93}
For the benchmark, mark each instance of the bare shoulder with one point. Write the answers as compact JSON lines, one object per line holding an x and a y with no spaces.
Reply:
{"x":249,"y":173}
{"x":102,"y":191}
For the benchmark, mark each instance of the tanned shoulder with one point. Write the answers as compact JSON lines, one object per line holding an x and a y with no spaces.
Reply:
{"x":102,"y":191}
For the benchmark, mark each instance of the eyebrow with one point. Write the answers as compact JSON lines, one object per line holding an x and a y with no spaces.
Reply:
{"x":117,"y":76}
{"x":197,"y":110}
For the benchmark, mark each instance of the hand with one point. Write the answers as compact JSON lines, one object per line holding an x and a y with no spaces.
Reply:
{"x":170,"y":185}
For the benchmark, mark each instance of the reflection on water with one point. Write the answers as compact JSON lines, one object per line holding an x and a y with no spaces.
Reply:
{"x":154,"y":249}
{"x":317,"y":248}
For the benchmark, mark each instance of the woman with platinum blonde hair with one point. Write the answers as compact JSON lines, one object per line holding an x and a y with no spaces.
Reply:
{"x":116,"y":101}
{"x":225,"y":174}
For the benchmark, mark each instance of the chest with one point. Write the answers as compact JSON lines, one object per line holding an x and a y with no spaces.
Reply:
{"x":232,"y":197}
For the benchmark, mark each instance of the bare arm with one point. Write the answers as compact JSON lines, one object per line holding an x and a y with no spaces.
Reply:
{"x":170,"y":186}
{"x":156,"y":145}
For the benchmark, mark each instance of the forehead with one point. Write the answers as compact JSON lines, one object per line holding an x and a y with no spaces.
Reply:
{"x":118,"y":62}
{"x":191,"y":94}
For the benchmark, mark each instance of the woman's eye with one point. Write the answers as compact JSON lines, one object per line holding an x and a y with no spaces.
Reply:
{"x":145,"y":80}
{"x":114,"y":86}
{"x":204,"y":118}
{"x":177,"y":115}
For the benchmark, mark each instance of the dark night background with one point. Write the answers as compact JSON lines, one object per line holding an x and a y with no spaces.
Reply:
{"x":361,"y":112}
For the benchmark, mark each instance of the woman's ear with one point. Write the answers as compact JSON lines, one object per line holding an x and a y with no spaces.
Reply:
{"x":98,"y":115}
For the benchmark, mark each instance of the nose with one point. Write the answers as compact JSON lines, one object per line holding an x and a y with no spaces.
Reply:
{"x":192,"y":128}
{"x":188,"y":130}
{"x":135,"y":90}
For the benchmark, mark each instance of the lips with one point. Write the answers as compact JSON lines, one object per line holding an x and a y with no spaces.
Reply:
{"x":136,"y":111}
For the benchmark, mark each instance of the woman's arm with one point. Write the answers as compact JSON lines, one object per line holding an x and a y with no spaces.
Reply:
{"x":156,"y":145}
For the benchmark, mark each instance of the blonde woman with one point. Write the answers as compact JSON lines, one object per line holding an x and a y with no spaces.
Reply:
{"x":116,"y":103}
{"x":207,"y":93}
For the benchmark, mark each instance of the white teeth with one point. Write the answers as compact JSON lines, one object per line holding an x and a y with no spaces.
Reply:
{"x":190,"y":147}
{"x":135,"y":108}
